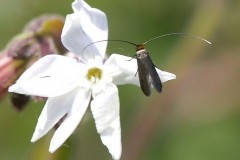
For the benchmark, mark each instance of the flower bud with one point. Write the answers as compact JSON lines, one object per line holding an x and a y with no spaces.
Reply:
{"x":41,"y":36}
{"x":19,"y":101}
{"x":48,"y":25}
{"x":10,"y":70}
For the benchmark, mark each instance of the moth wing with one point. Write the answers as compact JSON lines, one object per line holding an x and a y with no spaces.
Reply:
{"x":154,"y":77}
{"x":144,"y":78}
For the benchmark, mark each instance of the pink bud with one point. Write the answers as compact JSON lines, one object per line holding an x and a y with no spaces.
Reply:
{"x":10,"y":70}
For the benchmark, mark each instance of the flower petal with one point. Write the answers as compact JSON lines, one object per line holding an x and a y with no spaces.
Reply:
{"x":123,"y":70}
{"x":74,"y":116}
{"x":50,"y":76}
{"x":85,"y":26}
{"x":54,"y":109}
{"x":105,"y":109}
{"x":165,"y":76}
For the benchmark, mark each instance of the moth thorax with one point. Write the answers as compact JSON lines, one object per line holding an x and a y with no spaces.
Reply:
{"x":141,"y":53}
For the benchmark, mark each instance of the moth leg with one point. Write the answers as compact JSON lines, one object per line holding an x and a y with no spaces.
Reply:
{"x":134,"y":56}
{"x":136,"y":74}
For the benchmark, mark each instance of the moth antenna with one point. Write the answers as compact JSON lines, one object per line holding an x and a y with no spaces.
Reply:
{"x":113,"y":40}
{"x":186,"y":34}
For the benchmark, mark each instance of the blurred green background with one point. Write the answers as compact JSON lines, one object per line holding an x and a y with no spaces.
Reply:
{"x":196,"y":117}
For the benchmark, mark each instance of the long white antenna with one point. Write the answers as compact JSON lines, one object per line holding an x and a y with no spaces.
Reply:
{"x":186,"y":34}
{"x":164,"y":35}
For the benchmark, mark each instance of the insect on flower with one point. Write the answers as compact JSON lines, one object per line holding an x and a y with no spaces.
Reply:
{"x":147,"y":73}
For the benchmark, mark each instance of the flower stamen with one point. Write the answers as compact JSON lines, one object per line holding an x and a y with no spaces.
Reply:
{"x":94,"y":74}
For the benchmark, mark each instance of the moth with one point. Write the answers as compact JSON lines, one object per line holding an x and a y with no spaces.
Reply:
{"x":146,"y":70}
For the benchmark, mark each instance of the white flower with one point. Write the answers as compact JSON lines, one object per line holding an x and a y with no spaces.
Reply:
{"x":72,"y":85}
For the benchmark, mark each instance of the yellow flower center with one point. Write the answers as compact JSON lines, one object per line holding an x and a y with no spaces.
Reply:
{"x":94,"y":74}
